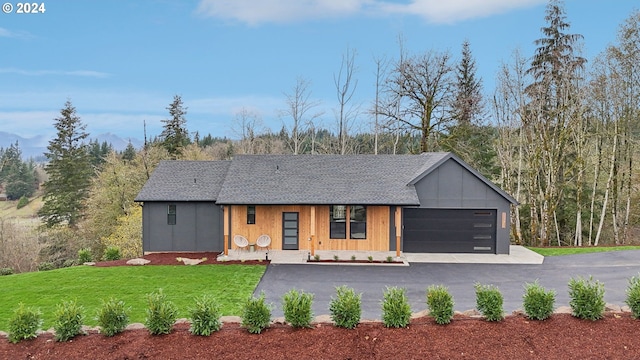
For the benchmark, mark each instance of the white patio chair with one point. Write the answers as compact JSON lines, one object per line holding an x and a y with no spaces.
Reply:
{"x":241,"y":243}
{"x":263,"y":242}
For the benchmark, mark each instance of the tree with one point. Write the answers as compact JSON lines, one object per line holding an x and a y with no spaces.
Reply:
{"x":129,"y":152}
{"x":174,"y":135}
{"x":299,"y":109}
{"x":69,"y":169}
{"x":345,"y":88}
{"x":17,"y":176}
{"x":418,"y":96}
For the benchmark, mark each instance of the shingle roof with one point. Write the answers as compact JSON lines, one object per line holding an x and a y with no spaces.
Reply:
{"x":185,"y":181}
{"x":324,"y":179}
{"x":299,"y":179}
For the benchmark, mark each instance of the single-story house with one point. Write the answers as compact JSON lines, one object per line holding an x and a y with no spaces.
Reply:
{"x":432,"y":202}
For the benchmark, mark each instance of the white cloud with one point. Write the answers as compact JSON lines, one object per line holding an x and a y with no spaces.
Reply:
{"x":14,"y":34}
{"x":284,"y":11}
{"x":81,"y":73}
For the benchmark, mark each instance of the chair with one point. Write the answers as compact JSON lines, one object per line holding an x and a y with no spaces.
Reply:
{"x":241,"y":242}
{"x":263,"y":242}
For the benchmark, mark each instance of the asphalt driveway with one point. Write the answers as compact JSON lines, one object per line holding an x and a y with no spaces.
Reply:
{"x":612,"y":268}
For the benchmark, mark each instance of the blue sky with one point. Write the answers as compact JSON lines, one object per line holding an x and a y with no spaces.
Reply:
{"x":121,"y":62}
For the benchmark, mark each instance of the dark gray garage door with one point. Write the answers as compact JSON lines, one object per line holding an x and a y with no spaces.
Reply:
{"x":449,"y":231}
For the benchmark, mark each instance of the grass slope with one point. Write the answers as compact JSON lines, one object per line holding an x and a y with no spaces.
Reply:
{"x":230,"y":285}
{"x":559,"y":251}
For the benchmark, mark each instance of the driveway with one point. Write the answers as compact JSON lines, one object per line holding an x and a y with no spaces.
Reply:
{"x":612,"y":268}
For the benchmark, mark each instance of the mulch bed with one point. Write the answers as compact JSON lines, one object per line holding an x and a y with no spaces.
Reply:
{"x":170,"y":259}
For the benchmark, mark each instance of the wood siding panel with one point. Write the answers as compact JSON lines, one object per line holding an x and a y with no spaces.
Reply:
{"x":269,"y":222}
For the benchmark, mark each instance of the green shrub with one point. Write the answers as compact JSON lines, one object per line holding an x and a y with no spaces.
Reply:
{"x":24,"y":323}
{"x":335,"y":257}
{"x":256,"y":315}
{"x":440,"y":304}
{"x":345,"y":308}
{"x":6,"y":271}
{"x":68,"y":320}
{"x":537,"y":301}
{"x":296,"y":306}
{"x":489,"y":302}
{"x":316,"y":257}
{"x":45,"y":266}
{"x":84,"y":256}
{"x":389,"y":259}
{"x":112,"y":317}
{"x":353,"y":258}
{"x":396,"y":311}
{"x":161,"y":314}
{"x":633,"y":296}
{"x":24,"y":201}
{"x":112,"y":253}
{"x":587,"y":298}
{"x":205,"y":316}
{"x":370,"y":258}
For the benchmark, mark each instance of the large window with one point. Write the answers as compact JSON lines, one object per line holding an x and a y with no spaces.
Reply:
{"x":355,"y":227}
{"x":358,"y":222}
{"x":171,"y":215}
{"x":338,"y":222}
{"x":251,"y":214}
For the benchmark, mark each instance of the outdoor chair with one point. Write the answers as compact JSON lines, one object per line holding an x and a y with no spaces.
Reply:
{"x":263,"y":242}
{"x":241,"y":243}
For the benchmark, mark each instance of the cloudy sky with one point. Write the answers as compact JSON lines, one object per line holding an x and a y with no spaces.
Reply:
{"x":121,"y":62}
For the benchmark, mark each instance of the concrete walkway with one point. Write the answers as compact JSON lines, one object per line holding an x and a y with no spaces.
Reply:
{"x":518,"y":255}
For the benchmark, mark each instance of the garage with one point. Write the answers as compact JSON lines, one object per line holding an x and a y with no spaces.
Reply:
{"x":449,"y":230}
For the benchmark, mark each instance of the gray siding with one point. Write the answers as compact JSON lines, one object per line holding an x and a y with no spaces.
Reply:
{"x":198,"y":227}
{"x":451,"y":186}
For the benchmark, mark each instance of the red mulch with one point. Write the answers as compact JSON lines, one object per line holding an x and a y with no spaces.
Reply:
{"x":170,"y":259}
{"x":560,"y":337}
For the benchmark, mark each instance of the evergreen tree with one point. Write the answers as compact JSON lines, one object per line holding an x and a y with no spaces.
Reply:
{"x":175,"y":136}
{"x":17,"y":175}
{"x":468,"y":107}
{"x":129,"y":152}
{"x":69,"y":169}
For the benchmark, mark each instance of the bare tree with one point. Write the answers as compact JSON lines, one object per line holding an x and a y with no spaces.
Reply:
{"x":346,"y":86}
{"x":300,"y":109}
{"x":246,"y":128}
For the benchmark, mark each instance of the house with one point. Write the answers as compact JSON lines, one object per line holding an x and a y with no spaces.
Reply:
{"x":432,"y":202}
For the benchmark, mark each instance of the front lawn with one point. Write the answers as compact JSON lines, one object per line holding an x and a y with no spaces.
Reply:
{"x":230,"y":285}
{"x":559,"y":251}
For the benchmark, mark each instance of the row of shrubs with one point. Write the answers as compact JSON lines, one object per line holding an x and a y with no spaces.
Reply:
{"x":587,"y":302}
{"x":84,"y":256}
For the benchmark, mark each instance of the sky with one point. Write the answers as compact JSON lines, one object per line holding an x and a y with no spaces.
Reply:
{"x":120,"y":62}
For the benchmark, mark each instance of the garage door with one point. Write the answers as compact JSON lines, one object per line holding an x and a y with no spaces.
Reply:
{"x":449,"y":231}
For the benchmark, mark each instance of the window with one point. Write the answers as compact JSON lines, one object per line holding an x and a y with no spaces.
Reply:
{"x":251,"y":214}
{"x":171,"y":215}
{"x":338,"y":222}
{"x":339,"y":227}
{"x":358,"y":222}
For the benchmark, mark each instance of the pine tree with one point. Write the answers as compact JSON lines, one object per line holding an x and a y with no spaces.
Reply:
{"x":69,"y":169}
{"x":175,"y":135}
{"x":129,"y":152}
{"x":17,"y":175}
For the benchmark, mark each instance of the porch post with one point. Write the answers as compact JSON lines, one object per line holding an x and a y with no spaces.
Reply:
{"x":225,"y":226}
{"x":313,"y":231}
{"x":398,"y":229}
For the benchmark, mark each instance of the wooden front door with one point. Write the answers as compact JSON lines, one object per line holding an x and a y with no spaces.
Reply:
{"x":289,"y":231}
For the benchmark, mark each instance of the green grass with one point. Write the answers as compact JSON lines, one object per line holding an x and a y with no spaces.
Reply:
{"x":559,"y":251}
{"x":229,"y":285}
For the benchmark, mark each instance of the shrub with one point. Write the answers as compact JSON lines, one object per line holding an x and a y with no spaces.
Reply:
{"x":633,"y":296}
{"x":112,"y":317}
{"x":587,"y":298}
{"x":537,"y":301}
{"x":84,"y":256}
{"x":24,"y":323}
{"x":161,"y":314}
{"x":489,"y":302}
{"x":205,"y":316}
{"x":316,"y":257}
{"x":111,"y":253}
{"x":296,"y":306}
{"x":345,"y":308}
{"x":389,"y":259}
{"x":440,"y":304}
{"x":335,"y":257}
{"x":69,"y":263}
{"x":396,"y":311}
{"x":6,"y":271}
{"x":256,"y":315}
{"x":24,"y":201}
{"x":45,"y":266}
{"x":370,"y":258}
{"x":68,"y":320}
{"x":353,"y":258}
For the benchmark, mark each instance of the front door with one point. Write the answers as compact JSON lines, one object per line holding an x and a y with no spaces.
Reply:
{"x":289,"y":231}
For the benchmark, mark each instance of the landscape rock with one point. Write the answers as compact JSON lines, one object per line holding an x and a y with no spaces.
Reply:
{"x":563,"y":310}
{"x":138,"y":261}
{"x":230,"y":319}
{"x":135,"y":326}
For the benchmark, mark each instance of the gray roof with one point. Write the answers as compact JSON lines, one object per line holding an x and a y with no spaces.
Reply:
{"x":185,"y":181}
{"x":299,"y":179}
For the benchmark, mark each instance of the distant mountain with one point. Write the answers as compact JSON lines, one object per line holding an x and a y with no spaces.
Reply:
{"x":36,"y":146}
